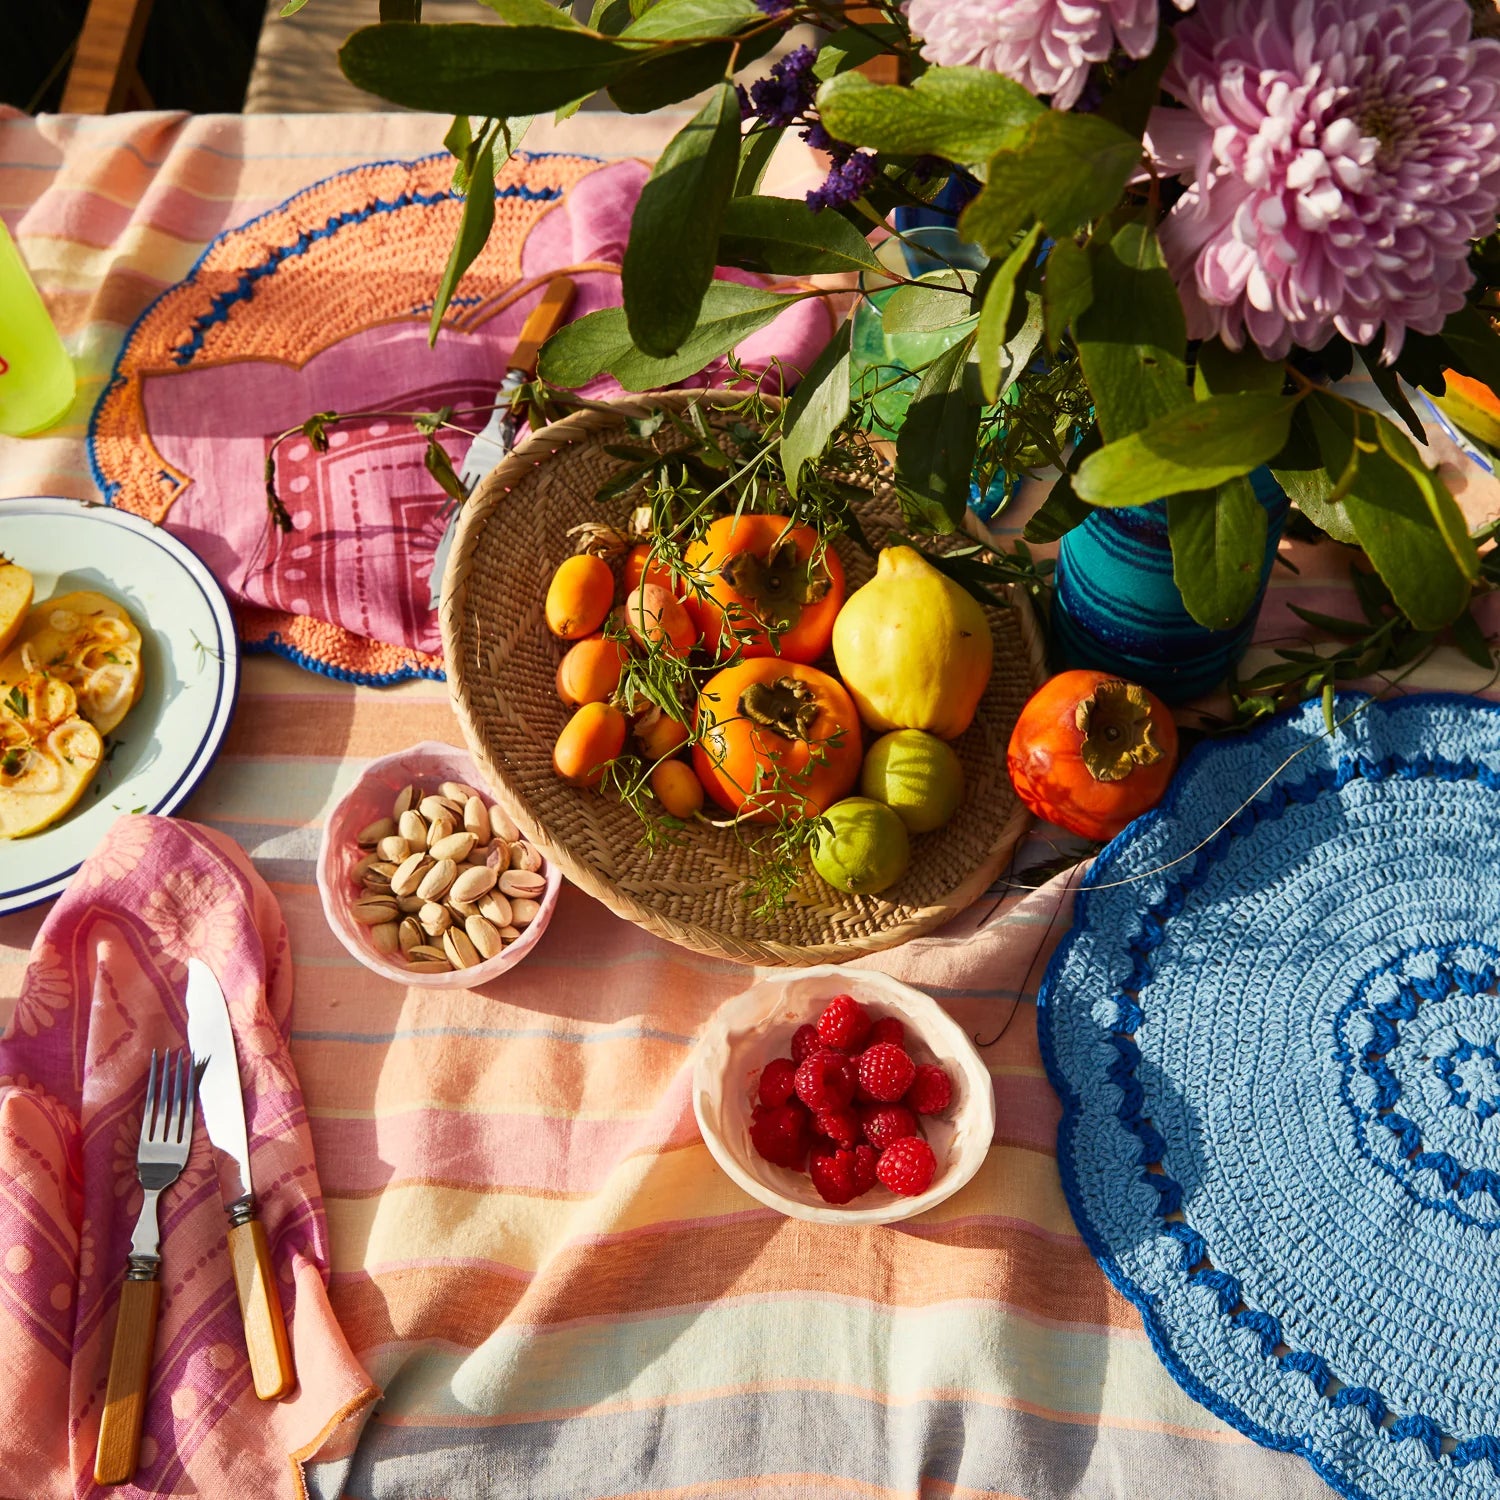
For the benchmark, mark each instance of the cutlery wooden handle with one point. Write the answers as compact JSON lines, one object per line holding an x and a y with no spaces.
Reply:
{"x":541,"y":323}
{"x":129,"y":1378}
{"x":260,"y":1307}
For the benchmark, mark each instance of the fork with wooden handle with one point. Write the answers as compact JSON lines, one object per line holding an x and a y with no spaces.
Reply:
{"x":166,"y":1133}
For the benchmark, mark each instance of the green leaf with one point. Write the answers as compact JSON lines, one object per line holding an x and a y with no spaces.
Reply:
{"x":531,"y":12}
{"x":757,"y":147}
{"x":784,"y":237}
{"x":1390,"y":512}
{"x":1065,"y":170}
{"x":1385,"y":382}
{"x":1058,"y":514}
{"x":1474,"y":344}
{"x":963,"y":114}
{"x":669,"y":75}
{"x":1446,"y":516}
{"x":479,"y":212}
{"x":934,"y":302}
{"x":1196,"y":447}
{"x":463,"y":148}
{"x":1328,"y":719}
{"x":1067,"y":288}
{"x":437,"y":463}
{"x":674,"y":231}
{"x":994,"y":316}
{"x":1132,"y":338}
{"x":818,"y":405}
{"x":610,"y":17}
{"x":290,"y":8}
{"x":935,"y":448}
{"x":1299,"y":470}
{"x":1470,"y":639}
{"x":674,"y":19}
{"x":848,"y":48}
{"x":1218,"y":550}
{"x":1353,"y":630}
{"x":1130,"y":102}
{"x":481,"y":70}
{"x":601,"y":342}
{"x":400,"y":10}
{"x":1222,"y":371}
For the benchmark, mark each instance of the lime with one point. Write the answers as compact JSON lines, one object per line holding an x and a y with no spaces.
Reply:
{"x":867,"y":849}
{"x":915,"y":774}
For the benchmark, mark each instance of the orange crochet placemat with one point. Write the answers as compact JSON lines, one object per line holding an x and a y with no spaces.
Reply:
{"x":322,"y":304}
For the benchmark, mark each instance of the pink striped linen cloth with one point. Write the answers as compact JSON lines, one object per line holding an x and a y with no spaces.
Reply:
{"x":105,"y":987}
{"x":557,"y":1292}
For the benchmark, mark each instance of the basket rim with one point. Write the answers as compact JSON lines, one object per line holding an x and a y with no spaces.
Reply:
{"x":538,"y":448}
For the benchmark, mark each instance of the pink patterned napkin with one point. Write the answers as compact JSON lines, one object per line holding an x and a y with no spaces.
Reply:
{"x":105,"y":985}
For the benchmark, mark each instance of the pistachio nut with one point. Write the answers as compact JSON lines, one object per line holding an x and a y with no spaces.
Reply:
{"x":501,"y":826}
{"x":524,"y":856}
{"x":462,"y":954}
{"x":437,"y":880}
{"x":413,"y":828}
{"x":393,"y":847}
{"x":473,"y":883}
{"x":373,"y":910}
{"x":523,"y":883}
{"x":495,"y":909}
{"x":523,"y":912}
{"x":485,"y":936}
{"x":457,"y":791}
{"x":409,"y":934}
{"x":457,"y":846}
{"x":477,"y":820}
{"x":408,"y":876}
{"x":372,"y":833}
{"x":406,"y":799}
{"x":386,"y":936}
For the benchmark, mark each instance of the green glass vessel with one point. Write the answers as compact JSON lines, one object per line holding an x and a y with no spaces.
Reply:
{"x":36,"y":375}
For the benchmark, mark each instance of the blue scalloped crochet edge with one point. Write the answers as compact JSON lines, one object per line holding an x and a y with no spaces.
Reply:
{"x":107,"y":490}
{"x":1137,"y":1296}
{"x":274,"y":645}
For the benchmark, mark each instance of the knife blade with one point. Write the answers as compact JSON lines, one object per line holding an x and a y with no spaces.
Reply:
{"x":222,"y":1103}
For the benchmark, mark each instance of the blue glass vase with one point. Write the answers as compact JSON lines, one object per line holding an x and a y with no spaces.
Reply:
{"x":1118,"y":610}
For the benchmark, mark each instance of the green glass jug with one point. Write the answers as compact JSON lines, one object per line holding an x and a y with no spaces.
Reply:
{"x":36,"y":375}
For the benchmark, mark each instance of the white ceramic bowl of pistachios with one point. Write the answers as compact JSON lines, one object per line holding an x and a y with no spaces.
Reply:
{"x":425,"y":880}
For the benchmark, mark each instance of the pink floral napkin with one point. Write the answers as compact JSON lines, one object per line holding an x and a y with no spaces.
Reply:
{"x":105,"y":985}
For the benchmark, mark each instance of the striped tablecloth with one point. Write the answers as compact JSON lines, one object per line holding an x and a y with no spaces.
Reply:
{"x":534,"y":1256}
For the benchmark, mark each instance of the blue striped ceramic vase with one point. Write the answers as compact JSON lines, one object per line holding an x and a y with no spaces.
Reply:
{"x":1117,"y":608}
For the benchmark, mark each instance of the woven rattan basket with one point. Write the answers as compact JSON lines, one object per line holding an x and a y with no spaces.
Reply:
{"x":502,"y":664}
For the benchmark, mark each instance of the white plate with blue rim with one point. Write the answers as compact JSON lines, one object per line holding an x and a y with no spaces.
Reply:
{"x":164,"y":746}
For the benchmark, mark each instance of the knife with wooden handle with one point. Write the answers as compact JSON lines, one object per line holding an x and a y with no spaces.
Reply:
{"x":223,"y":1105}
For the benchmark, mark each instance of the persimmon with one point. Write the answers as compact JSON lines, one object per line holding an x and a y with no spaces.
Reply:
{"x":592,"y":738}
{"x":773,"y":585}
{"x":1091,"y":752}
{"x":590,"y":671}
{"x":774,"y":736}
{"x":579,"y":596}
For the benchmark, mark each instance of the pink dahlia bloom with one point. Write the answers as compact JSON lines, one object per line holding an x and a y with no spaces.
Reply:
{"x":1340,"y":156}
{"x":1048,"y":45}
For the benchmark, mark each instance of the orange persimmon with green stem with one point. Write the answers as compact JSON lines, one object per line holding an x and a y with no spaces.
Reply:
{"x":1091,"y":752}
{"x":773,"y":585}
{"x":776,"y":736}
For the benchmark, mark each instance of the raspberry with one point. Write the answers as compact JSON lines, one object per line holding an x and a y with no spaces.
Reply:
{"x":841,"y":1126}
{"x":842,"y":1174}
{"x":887,"y":1029}
{"x":844,"y":1025}
{"x":931,"y":1091}
{"x":826,"y":1080}
{"x":884,"y":1123}
{"x":906,"y":1166}
{"x":885,"y":1072}
{"x":804,"y":1043}
{"x":780,"y":1134}
{"x":778,"y":1081}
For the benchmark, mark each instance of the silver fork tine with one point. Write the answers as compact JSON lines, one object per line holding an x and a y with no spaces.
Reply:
{"x":163,"y":1130}
{"x":184,"y":1090}
{"x":149,"y":1114}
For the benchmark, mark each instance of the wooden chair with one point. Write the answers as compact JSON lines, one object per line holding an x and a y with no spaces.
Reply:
{"x":103,"y":77}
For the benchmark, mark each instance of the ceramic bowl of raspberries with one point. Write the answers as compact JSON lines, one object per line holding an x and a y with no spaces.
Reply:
{"x":842,"y":1096}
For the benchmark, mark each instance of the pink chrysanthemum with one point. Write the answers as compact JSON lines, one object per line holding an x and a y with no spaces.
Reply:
{"x":1340,"y":155}
{"x":1048,"y":45}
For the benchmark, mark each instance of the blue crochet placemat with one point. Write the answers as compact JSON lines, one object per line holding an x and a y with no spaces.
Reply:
{"x":1279,"y":1062}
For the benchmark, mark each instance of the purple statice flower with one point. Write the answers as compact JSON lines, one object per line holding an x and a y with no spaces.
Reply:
{"x":1339,"y":156}
{"x":788,"y":89}
{"x":817,"y":136}
{"x":771,"y":7}
{"x":747,"y":109}
{"x":1048,"y":45}
{"x":848,"y":180}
